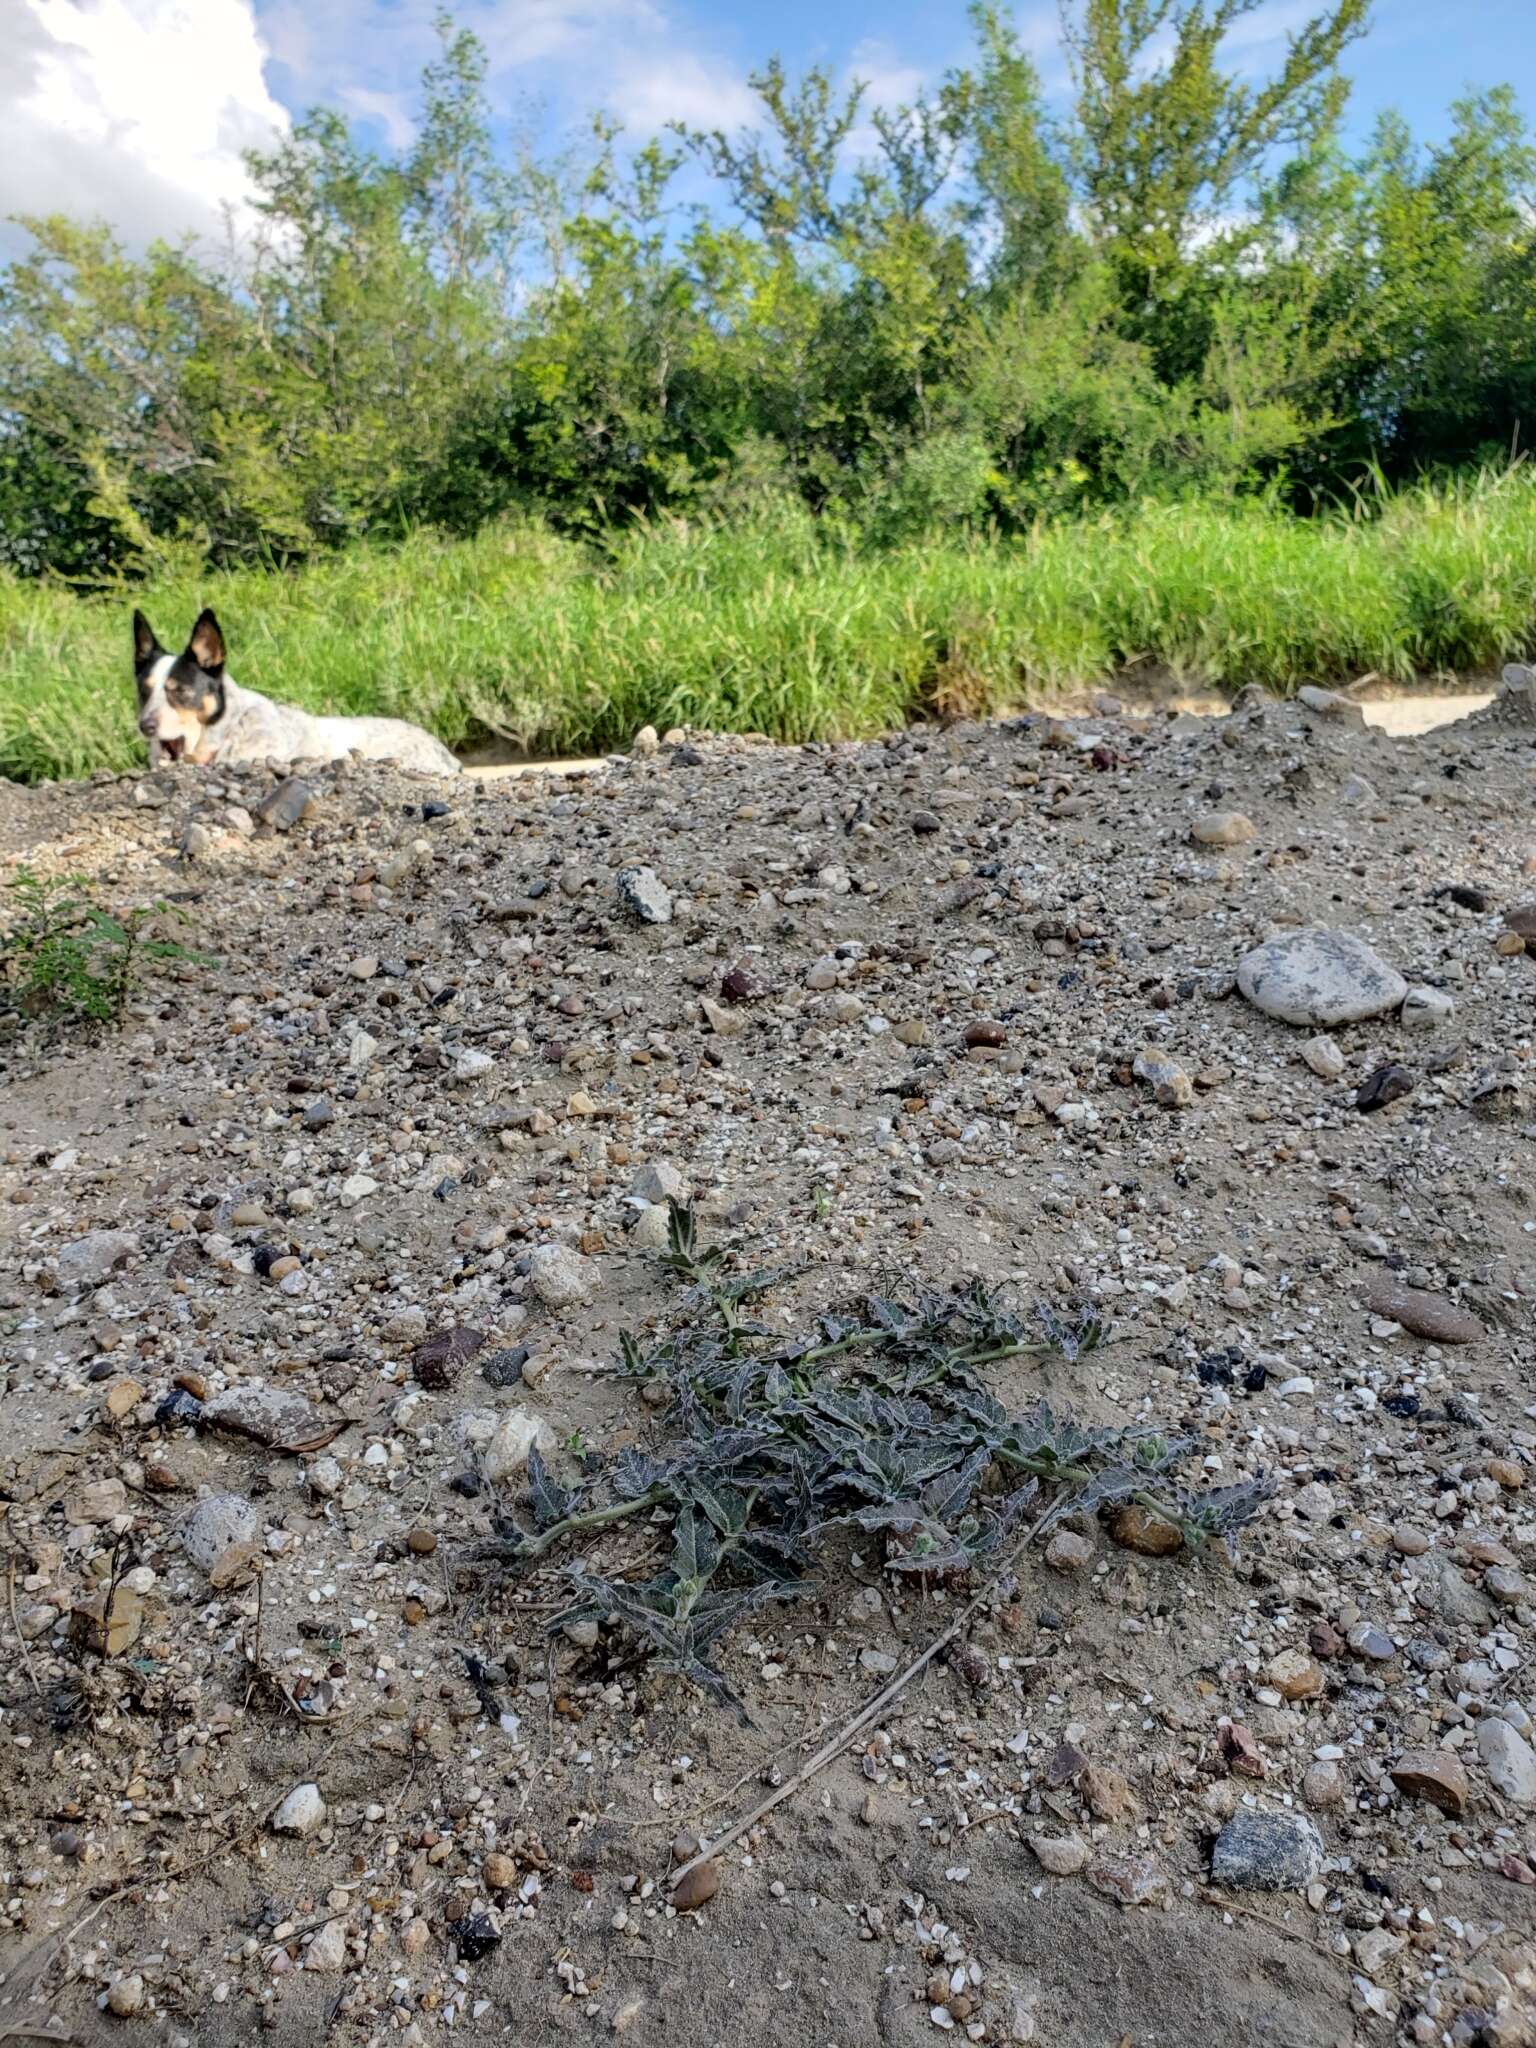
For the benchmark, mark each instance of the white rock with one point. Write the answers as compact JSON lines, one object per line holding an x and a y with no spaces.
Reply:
{"x":125,"y":1997}
{"x":1426,"y":1009}
{"x":1508,"y":1759}
{"x":357,"y":1187}
{"x":644,"y":895}
{"x":1320,"y":978}
{"x":660,"y":1182}
{"x":1324,"y":1058}
{"x":651,"y":1229}
{"x":219,"y":1524}
{"x":362,"y":1049}
{"x":328,"y":1950}
{"x":471,"y":1064}
{"x":560,"y":1277}
{"x":515,"y":1435}
{"x":325,"y":1478}
{"x":300,"y":1813}
{"x":87,"y":1261}
{"x":1290,"y":1389}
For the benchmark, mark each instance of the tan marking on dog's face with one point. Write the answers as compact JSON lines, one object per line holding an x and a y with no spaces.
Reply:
{"x":173,"y":715}
{"x":176,"y":707}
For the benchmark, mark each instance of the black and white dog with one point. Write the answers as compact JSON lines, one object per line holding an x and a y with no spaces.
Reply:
{"x":191,"y":710}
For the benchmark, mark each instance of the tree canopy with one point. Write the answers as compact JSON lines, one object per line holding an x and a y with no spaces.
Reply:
{"x":969,"y":310}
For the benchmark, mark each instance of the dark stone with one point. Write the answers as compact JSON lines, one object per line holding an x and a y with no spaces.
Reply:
{"x":505,"y":1368}
{"x":1267,"y":1852}
{"x":1388,"y":1084}
{"x":475,"y":1936}
{"x":179,"y":1407}
{"x":437,"y":1362}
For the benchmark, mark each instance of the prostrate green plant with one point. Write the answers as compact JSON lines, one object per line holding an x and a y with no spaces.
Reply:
{"x":67,"y":952}
{"x":876,"y":1422}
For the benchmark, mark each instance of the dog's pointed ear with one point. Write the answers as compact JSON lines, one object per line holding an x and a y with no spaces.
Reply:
{"x":145,"y":645}
{"x":206,"y":646}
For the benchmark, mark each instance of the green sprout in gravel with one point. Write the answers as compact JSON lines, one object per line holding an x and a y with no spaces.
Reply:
{"x":66,"y":953}
{"x":876,"y":1422}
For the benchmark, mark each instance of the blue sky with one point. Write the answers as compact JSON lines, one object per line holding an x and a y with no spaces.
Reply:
{"x":137,"y":111}
{"x":1418,"y":55}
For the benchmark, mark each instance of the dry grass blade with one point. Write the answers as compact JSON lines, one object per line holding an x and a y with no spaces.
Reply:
{"x":867,"y":1717}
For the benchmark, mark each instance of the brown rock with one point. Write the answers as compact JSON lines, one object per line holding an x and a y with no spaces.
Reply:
{"x":235,"y":1566}
{"x":421,"y":1542}
{"x":1137,"y":1528}
{"x":1133,"y":1880}
{"x":1109,"y":1796}
{"x":1324,"y":1640}
{"x":108,"y":1624}
{"x":1242,"y":1752}
{"x":697,"y":1888}
{"x":1424,"y":1315}
{"x":986,"y":1031}
{"x":123,"y":1396}
{"x":499,"y":1872}
{"x":1324,"y":1787}
{"x":1433,"y":1774}
{"x":1065,"y":1763}
{"x":1067,"y":1552}
{"x":438,"y":1362}
{"x":1223,"y":828}
{"x":1295,"y":1677}
{"x":1506,"y":1473}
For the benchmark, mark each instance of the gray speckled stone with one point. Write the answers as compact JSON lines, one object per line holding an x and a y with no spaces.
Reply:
{"x":1319,"y":978}
{"x":1267,"y":1852}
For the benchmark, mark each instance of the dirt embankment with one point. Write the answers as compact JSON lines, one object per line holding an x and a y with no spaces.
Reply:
{"x":434,"y":1038}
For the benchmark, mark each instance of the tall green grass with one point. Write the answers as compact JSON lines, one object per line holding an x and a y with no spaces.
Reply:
{"x":774,"y":627}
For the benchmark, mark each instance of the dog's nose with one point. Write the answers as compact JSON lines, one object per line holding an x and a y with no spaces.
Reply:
{"x":147,"y":727}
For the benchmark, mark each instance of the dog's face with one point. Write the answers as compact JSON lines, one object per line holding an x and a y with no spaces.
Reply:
{"x":180,"y":695}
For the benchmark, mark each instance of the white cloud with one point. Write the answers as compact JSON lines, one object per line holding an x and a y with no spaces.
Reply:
{"x":132,"y":111}
{"x":387,"y":109}
{"x":648,"y":93}
{"x":888,"y":83}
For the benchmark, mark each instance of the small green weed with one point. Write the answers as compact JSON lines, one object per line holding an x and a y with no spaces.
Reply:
{"x":66,"y":953}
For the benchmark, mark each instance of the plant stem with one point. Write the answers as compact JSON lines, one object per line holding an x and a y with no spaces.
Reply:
{"x":532,"y":1547}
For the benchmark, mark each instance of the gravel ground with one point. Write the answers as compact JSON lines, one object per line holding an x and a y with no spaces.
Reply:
{"x":967,"y":1004}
